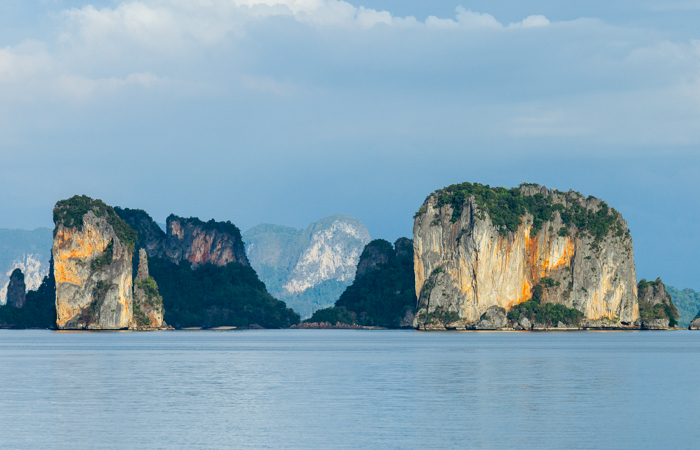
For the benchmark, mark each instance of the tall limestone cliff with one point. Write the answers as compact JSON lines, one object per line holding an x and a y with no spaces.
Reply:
{"x":203,"y":277}
{"x":308,"y":268}
{"x":191,"y":239}
{"x":148,"y":304}
{"x":478,"y":247}
{"x":17,"y":290}
{"x":92,"y":256}
{"x":656,"y":308}
{"x":198,"y":242}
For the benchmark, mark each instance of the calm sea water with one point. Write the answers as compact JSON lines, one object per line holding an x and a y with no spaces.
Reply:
{"x":349,"y":389}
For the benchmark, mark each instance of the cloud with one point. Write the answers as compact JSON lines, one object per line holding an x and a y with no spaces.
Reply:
{"x":532,"y":22}
{"x":28,"y":60}
{"x":538,"y":80}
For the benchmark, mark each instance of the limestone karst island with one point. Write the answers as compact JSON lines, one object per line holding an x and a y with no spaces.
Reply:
{"x":481,"y":258}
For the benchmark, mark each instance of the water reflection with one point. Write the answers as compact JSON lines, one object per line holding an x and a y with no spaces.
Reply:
{"x":348,"y":389}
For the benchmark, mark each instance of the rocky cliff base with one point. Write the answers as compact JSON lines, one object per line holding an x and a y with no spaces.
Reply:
{"x":547,"y":317}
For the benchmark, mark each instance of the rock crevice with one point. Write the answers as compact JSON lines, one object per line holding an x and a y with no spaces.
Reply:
{"x":477,"y":247}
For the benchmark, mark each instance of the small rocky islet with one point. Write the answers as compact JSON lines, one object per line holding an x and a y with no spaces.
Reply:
{"x":481,"y":258}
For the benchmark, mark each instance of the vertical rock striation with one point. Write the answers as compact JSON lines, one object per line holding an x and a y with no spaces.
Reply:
{"x":92,"y":253}
{"x":477,"y":247}
{"x":148,"y":304}
{"x":198,"y":242}
{"x":16,"y":290}
{"x":217,"y":243}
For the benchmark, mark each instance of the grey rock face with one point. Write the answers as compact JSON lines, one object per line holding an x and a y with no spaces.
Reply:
{"x":465,"y":264}
{"x":695,"y":324}
{"x":655,"y":324}
{"x":310,"y":268}
{"x":653,"y":293}
{"x":655,"y":305}
{"x":493,"y":319}
{"x":93,"y":273}
{"x":142,"y":272}
{"x":148,"y":304}
{"x":525,"y":323}
{"x":17,"y":291}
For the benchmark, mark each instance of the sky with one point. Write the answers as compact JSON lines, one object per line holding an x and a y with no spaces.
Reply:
{"x":287,"y":111}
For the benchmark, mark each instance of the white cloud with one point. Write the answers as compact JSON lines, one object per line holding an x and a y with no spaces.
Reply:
{"x":467,"y":19}
{"x":25,"y":61}
{"x":532,"y":22}
{"x":471,"y":19}
{"x":228,"y":46}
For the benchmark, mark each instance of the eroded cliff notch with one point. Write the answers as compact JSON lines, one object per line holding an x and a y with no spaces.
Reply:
{"x":476,"y":247}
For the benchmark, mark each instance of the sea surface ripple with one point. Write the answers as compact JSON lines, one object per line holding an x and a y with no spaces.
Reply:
{"x":320,"y":389}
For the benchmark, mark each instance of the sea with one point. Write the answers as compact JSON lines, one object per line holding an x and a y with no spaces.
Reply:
{"x":349,"y":389}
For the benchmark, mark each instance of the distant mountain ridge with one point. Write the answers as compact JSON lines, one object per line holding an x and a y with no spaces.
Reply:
{"x":309,"y":268}
{"x":688,"y":303}
{"x":28,"y":250}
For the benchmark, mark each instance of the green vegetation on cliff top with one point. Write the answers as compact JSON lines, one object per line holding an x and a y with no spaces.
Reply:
{"x":139,"y":219}
{"x":381,"y":297}
{"x":70,"y":213}
{"x":223,"y":227}
{"x":649,"y":312}
{"x":506,"y":208}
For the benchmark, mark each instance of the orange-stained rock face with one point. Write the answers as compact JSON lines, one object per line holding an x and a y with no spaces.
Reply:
{"x":90,"y":297}
{"x":467,"y":266}
{"x":203,"y":243}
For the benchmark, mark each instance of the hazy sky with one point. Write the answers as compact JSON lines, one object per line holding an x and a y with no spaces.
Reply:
{"x":287,"y":111}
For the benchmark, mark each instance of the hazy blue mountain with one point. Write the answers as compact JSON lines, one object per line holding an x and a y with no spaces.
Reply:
{"x":27,"y":250}
{"x":688,"y":303}
{"x":309,"y":268}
